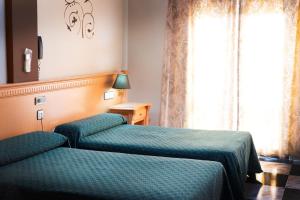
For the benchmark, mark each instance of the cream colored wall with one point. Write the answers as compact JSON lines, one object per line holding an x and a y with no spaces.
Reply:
{"x":125,"y":36}
{"x":2,"y":44}
{"x":67,"y":54}
{"x":138,"y":45}
{"x":146,"y":33}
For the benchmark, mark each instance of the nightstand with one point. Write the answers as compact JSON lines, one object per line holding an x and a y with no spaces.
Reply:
{"x":136,"y":113}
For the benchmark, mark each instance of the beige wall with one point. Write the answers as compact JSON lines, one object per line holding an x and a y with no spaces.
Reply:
{"x":67,"y":54}
{"x":146,"y":32}
{"x":2,"y":44}
{"x":125,"y":36}
{"x":138,"y":45}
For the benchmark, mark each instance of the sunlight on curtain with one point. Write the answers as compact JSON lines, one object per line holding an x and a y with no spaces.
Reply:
{"x":267,"y":52}
{"x":262,"y":80}
{"x":240,"y":70}
{"x":211,"y":67}
{"x":294,"y":122}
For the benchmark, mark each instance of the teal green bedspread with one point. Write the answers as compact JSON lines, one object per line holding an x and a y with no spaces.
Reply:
{"x":235,"y":150}
{"x":64,"y":174}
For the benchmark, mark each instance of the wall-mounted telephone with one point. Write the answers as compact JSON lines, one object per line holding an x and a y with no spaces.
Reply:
{"x":27,"y":60}
{"x":40,"y":48}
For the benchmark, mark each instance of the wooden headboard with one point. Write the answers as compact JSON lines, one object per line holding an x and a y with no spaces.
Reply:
{"x":66,"y":100}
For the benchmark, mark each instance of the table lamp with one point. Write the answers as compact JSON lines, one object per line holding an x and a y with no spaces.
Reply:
{"x":122,"y":82}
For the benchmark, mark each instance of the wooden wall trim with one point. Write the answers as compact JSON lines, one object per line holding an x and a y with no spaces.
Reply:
{"x":11,"y":90}
{"x":67,"y":100}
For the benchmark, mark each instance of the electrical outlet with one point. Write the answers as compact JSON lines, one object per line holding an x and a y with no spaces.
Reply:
{"x":40,"y":114}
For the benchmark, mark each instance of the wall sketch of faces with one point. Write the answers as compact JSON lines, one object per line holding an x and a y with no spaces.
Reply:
{"x":79,"y":17}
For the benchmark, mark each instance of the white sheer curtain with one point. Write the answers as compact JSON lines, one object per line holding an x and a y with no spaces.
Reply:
{"x":212,"y":66}
{"x":240,"y":68}
{"x":267,"y":54}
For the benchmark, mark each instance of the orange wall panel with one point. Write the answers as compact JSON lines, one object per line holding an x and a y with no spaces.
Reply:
{"x":67,"y":100}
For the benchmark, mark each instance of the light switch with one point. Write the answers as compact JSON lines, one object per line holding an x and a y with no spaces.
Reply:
{"x":112,"y":95}
{"x":40,"y":100}
{"x":109,"y":95}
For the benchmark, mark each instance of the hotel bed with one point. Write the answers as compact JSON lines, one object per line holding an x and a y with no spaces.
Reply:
{"x":38,"y":166}
{"x":110,"y":132}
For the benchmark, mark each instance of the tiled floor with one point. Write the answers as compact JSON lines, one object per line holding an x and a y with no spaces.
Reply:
{"x":279,"y":181}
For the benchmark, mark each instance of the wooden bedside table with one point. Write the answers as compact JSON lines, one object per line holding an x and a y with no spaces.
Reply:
{"x":136,"y":113}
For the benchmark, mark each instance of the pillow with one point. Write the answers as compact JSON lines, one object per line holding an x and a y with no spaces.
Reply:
{"x":27,"y":145}
{"x":85,"y":127}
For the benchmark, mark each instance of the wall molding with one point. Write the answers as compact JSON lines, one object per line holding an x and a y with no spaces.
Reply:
{"x":12,"y":90}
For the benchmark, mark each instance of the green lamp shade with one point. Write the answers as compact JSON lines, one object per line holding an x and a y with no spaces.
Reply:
{"x":122,"y":82}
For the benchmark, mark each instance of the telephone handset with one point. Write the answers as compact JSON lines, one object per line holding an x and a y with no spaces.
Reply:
{"x":27,"y":60}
